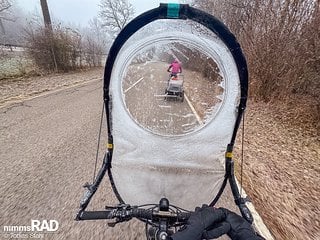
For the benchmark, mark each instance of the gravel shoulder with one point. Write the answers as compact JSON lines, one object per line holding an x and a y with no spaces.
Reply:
{"x":15,"y":90}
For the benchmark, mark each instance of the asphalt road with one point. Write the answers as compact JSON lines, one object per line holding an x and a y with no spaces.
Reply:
{"x":47,"y":153}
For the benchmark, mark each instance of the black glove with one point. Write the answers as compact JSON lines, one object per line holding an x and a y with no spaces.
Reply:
{"x":199,"y":221}
{"x":235,"y":226}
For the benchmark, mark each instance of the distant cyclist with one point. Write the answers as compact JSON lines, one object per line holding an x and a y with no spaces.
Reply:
{"x":175,"y":68}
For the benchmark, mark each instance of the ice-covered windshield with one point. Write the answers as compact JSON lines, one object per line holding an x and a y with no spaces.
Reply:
{"x":178,"y":105}
{"x":170,"y":132}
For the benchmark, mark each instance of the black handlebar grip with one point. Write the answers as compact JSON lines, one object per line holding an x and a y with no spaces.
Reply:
{"x":95,"y":215}
{"x":135,"y":212}
{"x":141,"y":213}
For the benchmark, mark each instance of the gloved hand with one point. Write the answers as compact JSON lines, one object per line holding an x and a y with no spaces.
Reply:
{"x":200,"y":220}
{"x":236,"y":227}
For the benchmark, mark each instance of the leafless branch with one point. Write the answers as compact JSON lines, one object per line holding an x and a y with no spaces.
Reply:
{"x":281,"y":39}
{"x":114,"y":15}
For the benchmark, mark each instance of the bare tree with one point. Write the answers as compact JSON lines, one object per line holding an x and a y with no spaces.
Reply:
{"x":278,"y":41}
{"x":95,"y":44}
{"x":5,"y":6}
{"x":65,"y":42}
{"x":5,"y":13}
{"x":114,"y":15}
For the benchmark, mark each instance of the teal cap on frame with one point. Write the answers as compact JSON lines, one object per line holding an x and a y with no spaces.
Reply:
{"x":173,"y":10}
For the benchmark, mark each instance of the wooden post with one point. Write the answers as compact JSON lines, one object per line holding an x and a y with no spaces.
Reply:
{"x":48,"y":27}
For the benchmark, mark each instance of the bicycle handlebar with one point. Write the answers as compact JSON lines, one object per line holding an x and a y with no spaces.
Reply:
{"x":134,"y":212}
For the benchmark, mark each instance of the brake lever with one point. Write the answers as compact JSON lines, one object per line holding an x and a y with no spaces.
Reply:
{"x":119,"y":219}
{"x":120,"y":207}
{"x":113,"y":213}
{"x":120,"y":213}
{"x":113,"y":224}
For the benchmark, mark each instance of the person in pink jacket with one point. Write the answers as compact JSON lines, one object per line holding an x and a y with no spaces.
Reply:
{"x":175,"y":68}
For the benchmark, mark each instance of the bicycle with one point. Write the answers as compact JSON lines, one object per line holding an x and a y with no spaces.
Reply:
{"x":163,"y":219}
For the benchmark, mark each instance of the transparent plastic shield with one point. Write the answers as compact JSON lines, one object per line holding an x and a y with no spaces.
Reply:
{"x":170,"y":135}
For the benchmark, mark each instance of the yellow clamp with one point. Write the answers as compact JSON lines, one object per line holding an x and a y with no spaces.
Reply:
{"x":229,"y":154}
{"x":110,"y":146}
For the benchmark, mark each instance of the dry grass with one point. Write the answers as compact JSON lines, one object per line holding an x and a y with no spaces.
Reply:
{"x":281,"y":170}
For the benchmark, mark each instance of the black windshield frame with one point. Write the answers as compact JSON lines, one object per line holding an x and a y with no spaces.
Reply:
{"x":182,"y":12}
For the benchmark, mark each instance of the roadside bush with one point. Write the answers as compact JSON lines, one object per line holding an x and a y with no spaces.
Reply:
{"x":196,"y":60}
{"x":281,"y":40}
{"x":93,"y":52}
{"x":58,"y":49}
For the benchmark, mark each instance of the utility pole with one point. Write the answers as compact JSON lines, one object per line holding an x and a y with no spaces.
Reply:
{"x":48,"y":26}
{"x":46,"y":14}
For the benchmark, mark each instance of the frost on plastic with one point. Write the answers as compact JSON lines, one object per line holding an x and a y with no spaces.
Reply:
{"x":164,"y":147}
